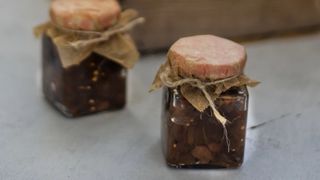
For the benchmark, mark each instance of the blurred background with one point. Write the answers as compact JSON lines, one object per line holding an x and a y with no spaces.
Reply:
{"x":239,"y":20}
{"x":282,"y":38}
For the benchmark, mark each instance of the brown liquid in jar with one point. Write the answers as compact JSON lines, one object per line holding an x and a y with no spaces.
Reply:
{"x":96,"y":84}
{"x":192,"y":139}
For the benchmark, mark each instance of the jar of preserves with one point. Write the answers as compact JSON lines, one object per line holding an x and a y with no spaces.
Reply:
{"x":86,"y":52}
{"x":205,"y":103}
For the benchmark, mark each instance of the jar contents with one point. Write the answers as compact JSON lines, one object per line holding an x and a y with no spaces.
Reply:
{"x":96,"y":84}
{"x":193,"y":139}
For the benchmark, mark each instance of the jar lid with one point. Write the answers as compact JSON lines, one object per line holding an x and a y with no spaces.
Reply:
{"x":207,"y":57}
{"x":90,"y":15}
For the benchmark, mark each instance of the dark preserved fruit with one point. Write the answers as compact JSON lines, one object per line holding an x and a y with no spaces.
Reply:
{"x":96,"y":84}
{"x":193,"y":139}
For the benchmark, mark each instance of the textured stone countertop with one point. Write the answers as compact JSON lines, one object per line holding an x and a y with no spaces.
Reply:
{"x":38,"y":143}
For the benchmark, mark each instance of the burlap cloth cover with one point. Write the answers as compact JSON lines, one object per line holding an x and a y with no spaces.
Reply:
{"x":114,"y":43}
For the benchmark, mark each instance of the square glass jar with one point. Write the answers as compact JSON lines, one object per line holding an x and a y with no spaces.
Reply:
{"x":193,"y":139}
{"x":96,"y":84}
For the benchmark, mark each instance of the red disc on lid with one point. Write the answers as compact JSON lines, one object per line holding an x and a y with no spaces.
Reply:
{"x":90,"y":15}
{"x":207,"y":57}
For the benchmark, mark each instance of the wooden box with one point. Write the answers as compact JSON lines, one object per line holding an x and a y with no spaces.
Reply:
{"x":167,"y":20}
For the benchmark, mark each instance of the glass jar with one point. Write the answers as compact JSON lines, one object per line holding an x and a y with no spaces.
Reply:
{"x":96,"y":84}
{"x":193,"y":139}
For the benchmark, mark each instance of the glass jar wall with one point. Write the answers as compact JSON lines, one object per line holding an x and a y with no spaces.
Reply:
{"x":96,"y":84}
{"x":193,"y":139}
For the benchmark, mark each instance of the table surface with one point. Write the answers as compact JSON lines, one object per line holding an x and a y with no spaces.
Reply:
{"x":38,"y":143}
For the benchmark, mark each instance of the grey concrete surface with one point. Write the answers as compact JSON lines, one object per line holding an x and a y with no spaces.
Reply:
{"x":37,"y":143}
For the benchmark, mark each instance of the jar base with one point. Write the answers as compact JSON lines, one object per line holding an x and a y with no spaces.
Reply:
{"x":67,"y":113}
{"x":202,"y":166}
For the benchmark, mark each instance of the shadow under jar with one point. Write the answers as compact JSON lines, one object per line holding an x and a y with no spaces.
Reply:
{"x":96,"y":84}
{"x":193,"y":139}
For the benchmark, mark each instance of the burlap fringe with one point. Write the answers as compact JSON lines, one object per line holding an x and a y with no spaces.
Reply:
{"x":115,"y":44}
{"x":166,"y":77}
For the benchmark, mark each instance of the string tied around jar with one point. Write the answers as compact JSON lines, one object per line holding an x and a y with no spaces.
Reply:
{"x":103,"y":36}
